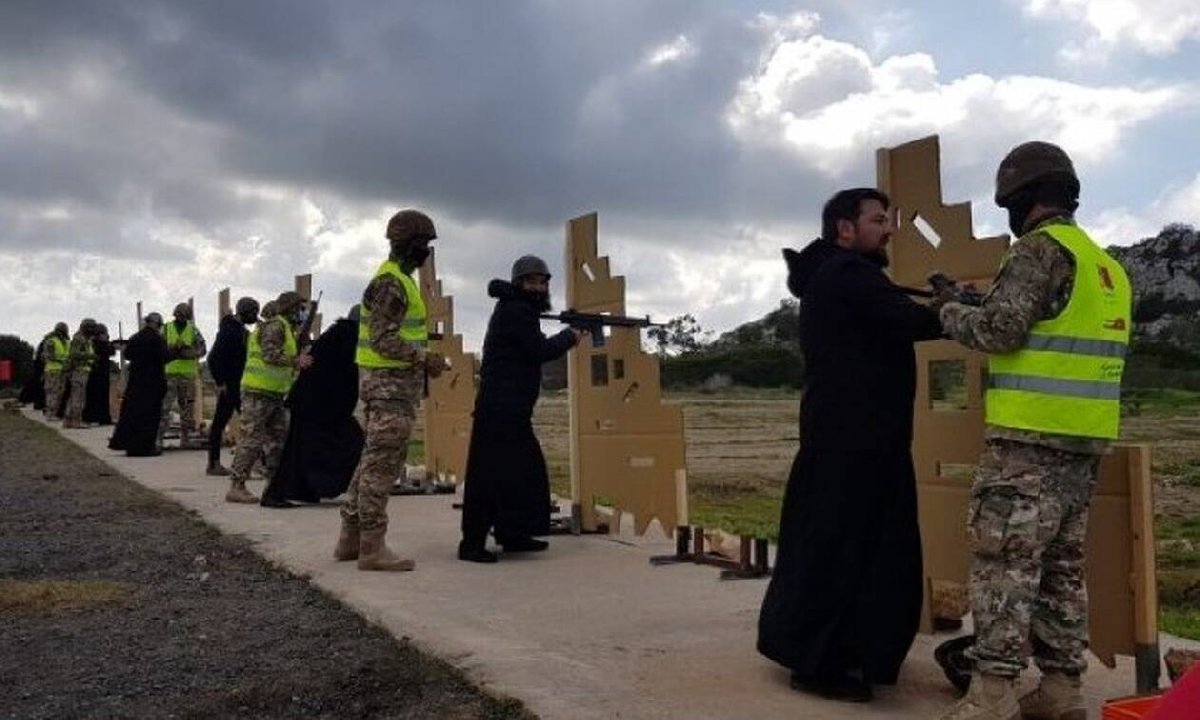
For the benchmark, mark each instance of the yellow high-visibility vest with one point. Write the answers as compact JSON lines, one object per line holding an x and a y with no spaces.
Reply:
{"x":55,"y":350}
{"x":262,"y":376}
{"x":412,"y":328}
{"x":1066,"y":380}
{"x":184,"y":367}
{"x":88,"y":359}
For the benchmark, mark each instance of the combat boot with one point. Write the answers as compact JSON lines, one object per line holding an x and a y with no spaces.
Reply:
{"x":991,"y":697}
{"x":1058,"y":697}
{"x":238,"y":492}
{"x":347,"y":542}
{"x":374,"y":554}
{"x":217,"y":470}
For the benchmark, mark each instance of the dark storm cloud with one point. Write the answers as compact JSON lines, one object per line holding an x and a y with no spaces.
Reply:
{"x":512,"y":112}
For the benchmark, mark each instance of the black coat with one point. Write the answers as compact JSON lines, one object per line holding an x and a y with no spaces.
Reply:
{"x":846,"y":590}
{"x":507,"y":486}
{"x":227,"y":359}
{"x":33,"y":392}
{"x":324,"y":440}
{"x":95,"y":405}
{"x":141,"y":406}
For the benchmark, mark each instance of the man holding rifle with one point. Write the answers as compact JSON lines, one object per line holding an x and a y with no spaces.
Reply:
{"x":507,"y":486}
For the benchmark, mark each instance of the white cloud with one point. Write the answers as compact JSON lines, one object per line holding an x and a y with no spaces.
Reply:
{"x":827,"y":102}
{"x":1157,"y":28}
{"x":1125,"y":226}
{"x":678,"y":49}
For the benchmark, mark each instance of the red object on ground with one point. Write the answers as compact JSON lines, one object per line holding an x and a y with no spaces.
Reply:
{"x":5,"y":371}
{"x":1182,"y":701}
{"x":1130,"y":708}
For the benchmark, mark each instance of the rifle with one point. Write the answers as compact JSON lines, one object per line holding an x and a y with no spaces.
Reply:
{"x":941,"y":282}
{"x":304,"y":333}
{"x":594,"y":323}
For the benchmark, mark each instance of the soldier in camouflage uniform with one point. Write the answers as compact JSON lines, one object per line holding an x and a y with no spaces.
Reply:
{"x":272,"y":360}
{"x":393,"y":364}
{"x":55,"y":349}
{"x":80,"y":358}
{"x":1056,"y":325}
{"x":187,"y":346}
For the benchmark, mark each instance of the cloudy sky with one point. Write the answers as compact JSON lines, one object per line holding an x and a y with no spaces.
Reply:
{"x":158,"y":150}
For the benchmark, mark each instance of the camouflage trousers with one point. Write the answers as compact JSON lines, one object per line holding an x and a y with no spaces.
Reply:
{"x":55,"y":384}
{"x":182,"y":390}
{"x":390,"y":401}
{"x":263,"y":432}
{"x":78,"y":397}
{"x":1026,"y":523}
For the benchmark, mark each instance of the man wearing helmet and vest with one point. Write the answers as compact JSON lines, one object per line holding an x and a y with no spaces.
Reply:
{"x":273,"y":358}
{"x":80,"y":357}
{"x":187,"y":347}
{"x":507,"y":487}
{"x":1056,"y":326}
{"x":55,"y":348}
{"x":226,"y":363}
{"x":392,"y":362}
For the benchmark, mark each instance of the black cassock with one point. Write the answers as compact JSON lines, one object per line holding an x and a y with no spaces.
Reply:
{"x":507,"y":487}
{"x":33,"y":392}
{"x":141,"y":407}
{"x":95,"y":406}
{"x":324,"y":440}
{"x":846,"y":589}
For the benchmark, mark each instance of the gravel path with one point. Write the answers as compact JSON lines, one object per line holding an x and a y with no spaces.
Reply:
{"x":117,"y":603}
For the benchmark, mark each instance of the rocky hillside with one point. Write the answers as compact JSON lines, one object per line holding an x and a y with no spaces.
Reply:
{"x":1165,"y":272}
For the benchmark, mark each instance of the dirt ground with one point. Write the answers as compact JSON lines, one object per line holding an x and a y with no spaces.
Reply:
{"x":117,"y":603}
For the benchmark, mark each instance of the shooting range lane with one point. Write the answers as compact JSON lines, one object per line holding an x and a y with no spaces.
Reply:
{"x":588,"y":629}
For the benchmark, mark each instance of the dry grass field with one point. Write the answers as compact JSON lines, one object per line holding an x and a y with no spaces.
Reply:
{"x":740,"y":444}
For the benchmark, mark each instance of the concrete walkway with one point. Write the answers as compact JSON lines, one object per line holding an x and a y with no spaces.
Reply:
{"x":586,"y":630}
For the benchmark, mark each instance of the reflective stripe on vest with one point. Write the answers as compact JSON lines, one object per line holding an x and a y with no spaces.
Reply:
{"x":1066,"y":380}
{"x":261,"y":376}
{"x":186,"y":367}
{"x":56,"y":353}
{"x":412,"y":328}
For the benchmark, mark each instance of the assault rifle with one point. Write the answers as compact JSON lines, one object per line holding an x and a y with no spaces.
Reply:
{"x":941,"y":282}
{"x":594,"y":323}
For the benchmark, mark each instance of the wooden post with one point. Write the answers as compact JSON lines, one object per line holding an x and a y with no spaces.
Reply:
{"x":1145,"y":588}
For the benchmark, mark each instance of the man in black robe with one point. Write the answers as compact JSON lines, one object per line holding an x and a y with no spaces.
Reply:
{"x":324,"y":439}
{"x":843,"y":604}
{"x":226,"y":363}
{"x":141,"y":406}
{"x":33,"y":392}
{"x":96,"y":405}
{"x":507,"y":486}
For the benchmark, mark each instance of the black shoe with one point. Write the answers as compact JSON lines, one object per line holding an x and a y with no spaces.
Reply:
{"x":274,"y":502}
{"x":476,"y":554}
{"x":845,"y":688}
{"x":526,"y":544}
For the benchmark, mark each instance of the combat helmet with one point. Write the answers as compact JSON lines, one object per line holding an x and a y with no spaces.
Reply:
{"x":1032,"y":162}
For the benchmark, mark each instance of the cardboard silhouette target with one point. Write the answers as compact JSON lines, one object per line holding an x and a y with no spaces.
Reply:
{"x":451,"y":399}
{"x":626,"y":446}
{"x":949,"y":424}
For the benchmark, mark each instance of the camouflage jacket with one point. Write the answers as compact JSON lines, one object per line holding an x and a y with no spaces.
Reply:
{"x":271,"y":339}
{"x":1034,"y":284}
{"x":387,"y":302}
